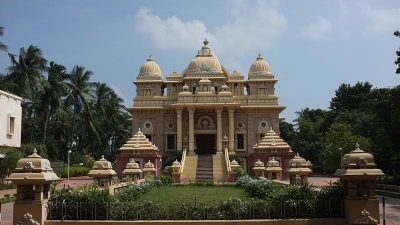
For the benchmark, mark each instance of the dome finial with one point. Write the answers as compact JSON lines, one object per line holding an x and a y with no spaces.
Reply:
{"x":357,"y":146}
{"x":205,"y":42}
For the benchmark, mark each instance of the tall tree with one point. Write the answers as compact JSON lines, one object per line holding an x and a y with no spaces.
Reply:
{"x":340,"y":140}
{"x":54,"y":91}
{"x":79,"y":85}
{"x":3,"y":47}
{"x":397,"y":62}
{"x":26,"y":71}
{"x":310,"y":134}
{"x":349,"y":97}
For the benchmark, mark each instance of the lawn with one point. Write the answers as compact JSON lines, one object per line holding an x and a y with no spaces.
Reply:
{"x":7,"y":199}
{"x":192,"y":193}
{"x":388,"y":194}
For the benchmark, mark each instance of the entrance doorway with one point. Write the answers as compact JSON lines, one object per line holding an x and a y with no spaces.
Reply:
{"x":205,"y":144}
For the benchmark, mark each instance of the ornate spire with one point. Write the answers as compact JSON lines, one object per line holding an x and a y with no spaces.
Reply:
{"x":205,"y":42}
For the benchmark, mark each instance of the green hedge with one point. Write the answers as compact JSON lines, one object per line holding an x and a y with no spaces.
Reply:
{"x":75,"y":171}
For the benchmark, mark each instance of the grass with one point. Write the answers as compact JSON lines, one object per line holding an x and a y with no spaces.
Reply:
{"x":7,"y":200}
{"x":388,"y":194}
{"x":191,"y":193}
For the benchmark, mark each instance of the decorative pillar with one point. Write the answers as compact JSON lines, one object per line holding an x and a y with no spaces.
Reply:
{"x":191,"y":132}
{"x":219,"y":131}
{"x":234,"y":170}
{"x":176,"y":173}
{"x":259,"y":168}
{"x":33,"y":177}
{"x":231,"y":130}
{"x":358,"y":174}
{"x":179,"y":129}
{"x":133,"y":170}
{"x":149,"y":170}
{"x":298,"y":170}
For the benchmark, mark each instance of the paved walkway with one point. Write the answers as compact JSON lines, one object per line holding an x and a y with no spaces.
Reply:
{"x":392,"y":208}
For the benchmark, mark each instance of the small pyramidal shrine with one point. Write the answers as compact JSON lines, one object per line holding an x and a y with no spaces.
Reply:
{"x":207,"y":113}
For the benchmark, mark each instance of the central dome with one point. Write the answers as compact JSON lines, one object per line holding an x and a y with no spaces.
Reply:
{"x":205,"y":61}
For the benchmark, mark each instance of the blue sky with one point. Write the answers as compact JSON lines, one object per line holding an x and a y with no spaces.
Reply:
{"x":312,"y":46}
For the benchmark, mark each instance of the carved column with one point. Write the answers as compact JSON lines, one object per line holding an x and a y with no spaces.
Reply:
{"x":179,"y":129}
{"x":219,"y":130}
{"x":231,"y":130}
{"x":191,"y":131}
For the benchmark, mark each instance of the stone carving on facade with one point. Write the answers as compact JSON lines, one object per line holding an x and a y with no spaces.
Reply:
{"x":205,"y":122}
{"x":147,"y":125}
{"x":29,"y":166}
{"x":365,"y":218}
{"x":362,"y":161}
{"x":27,"y":220}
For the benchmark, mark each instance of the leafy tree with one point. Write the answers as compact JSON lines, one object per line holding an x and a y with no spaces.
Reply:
{"x":26,"y":71}
{"x":79,"y":85}
{"x":397,"y":62}
{"x":3,"y":47}
{"x":352,"y":97}
{"x":10,"y":161}
{"x":55,"y":89}
{"x":394,"y":155}
{"x":339,"y":141}
{"x":287,"y":132}
{"x":310,"y":134}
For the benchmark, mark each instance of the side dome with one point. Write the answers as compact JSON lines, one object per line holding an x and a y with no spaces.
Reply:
{"x":150,"y":68}
{"x":260,"y":66}
{"x":205,"y":61}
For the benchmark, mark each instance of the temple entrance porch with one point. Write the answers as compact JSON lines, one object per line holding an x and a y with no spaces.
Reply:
{"x":205,"y":144}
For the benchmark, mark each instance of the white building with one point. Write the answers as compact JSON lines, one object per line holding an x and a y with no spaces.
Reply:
{"x":10,"y":121}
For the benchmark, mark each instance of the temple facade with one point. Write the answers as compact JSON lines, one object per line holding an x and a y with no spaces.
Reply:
{"x":196,"y":109}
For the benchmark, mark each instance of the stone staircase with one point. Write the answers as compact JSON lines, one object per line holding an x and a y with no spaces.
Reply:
{"x":219,"y":168}
{"x":204,"y":169}
{"x":189,"y":171}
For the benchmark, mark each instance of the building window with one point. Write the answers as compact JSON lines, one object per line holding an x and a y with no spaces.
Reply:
{"x":170,"y":141}
{"x":10,"y":124}
{"x":240,"y":141}
{"x":262,"y":136}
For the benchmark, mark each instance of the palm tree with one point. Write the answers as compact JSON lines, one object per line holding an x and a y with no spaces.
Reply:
{"x":26,"y":71}
{"x":3,"y":47}
{"x":6,"y":83}
{"x":54,"y":90}
{"x":78,"y":98}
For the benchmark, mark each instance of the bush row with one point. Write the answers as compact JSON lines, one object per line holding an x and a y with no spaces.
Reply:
{"x":270,"y":201}
{"x":75,"y":171}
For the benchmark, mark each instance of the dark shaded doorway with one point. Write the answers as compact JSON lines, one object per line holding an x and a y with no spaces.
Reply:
{"x":205,"y":144}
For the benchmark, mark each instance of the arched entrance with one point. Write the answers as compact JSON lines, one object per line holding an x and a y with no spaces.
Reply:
{"x":205,"y":144}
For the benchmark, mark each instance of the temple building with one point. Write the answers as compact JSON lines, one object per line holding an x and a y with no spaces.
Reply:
{"x":193,"y":111}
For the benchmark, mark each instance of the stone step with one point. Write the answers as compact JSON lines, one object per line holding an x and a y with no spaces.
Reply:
{"x":204,"y":170}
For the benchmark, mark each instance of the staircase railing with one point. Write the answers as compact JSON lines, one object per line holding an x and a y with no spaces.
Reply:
{"x":183,"y":160}
{"x":227,"y":161}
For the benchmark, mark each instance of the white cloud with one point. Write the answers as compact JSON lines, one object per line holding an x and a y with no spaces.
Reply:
{"x":382,"y":20}
{"x":171,"y":33}
{"x":250,"y":27}
{"x":318,"y":30}
{"x":343,"y":8}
